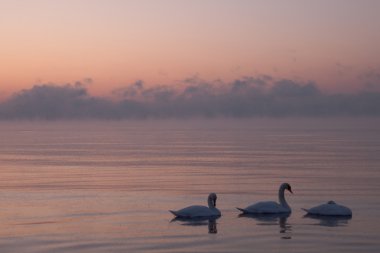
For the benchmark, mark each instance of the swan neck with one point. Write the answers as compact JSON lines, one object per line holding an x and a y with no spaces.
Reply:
{"x":210,"y":203}
{"x":281,"y":197}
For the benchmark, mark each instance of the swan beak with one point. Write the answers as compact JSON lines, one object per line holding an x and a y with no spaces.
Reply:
{"x":215,"y":202}
{"x":290,"y":191}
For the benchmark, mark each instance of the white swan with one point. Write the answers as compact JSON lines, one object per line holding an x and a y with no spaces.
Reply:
{"x":199,"y":211}
{"x":330,"y":208}
{"x":270,"y":207}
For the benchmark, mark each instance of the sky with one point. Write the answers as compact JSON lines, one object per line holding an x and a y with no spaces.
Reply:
{"x":110,"y":45}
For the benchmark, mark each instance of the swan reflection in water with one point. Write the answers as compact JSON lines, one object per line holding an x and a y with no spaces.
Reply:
{"x":273,"y":219}
{"x":199,"y":221}
{"x":329,"y":221}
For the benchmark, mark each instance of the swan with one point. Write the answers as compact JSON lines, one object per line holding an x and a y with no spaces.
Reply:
{"x":199,"y":211}
{"x":270,"y":207}
{"x":330,"y":209}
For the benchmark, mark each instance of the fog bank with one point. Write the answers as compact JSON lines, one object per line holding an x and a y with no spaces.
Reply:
{"x":246,"y":97}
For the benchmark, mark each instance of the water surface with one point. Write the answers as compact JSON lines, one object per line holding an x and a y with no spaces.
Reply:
{"x":107,"y":186}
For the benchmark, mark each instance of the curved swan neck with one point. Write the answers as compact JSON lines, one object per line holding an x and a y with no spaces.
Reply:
{"x":281,"y":196}
{"x":211,"y":203}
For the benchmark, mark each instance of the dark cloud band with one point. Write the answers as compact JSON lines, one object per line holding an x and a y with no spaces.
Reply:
{"x":246,"y":97}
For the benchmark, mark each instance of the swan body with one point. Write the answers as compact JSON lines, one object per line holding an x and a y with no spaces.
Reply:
{"x":329,"y":209}
{"x":270,"y":207}
{"x":265,"y":207}
{"x":198,"y":211}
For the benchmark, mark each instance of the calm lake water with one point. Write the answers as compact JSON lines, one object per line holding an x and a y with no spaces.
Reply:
{"x":107,"y":186}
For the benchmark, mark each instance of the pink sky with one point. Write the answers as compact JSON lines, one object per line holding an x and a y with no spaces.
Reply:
{"x":114,"y":42}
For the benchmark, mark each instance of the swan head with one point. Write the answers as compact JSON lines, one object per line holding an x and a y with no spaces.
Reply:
{"x":212,"y":199}
{"x":286,"y":186}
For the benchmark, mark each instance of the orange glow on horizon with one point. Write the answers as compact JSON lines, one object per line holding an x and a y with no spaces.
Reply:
{"x":118,"y":42}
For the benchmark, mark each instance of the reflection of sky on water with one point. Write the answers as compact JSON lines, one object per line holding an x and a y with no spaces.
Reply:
{"x":68,"y":187}
{"x":272,"y":219}
{"x":329,"y":221}
{"x":201,"y":221}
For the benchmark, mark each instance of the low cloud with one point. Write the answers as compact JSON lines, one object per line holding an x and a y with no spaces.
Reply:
{"x":49,"y":101}
{"x":371,"y":79}
{"x":260,"y":96}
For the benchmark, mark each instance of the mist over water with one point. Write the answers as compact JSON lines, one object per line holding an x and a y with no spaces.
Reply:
{"x":247,"y":97}
{"x":107,"y":186}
